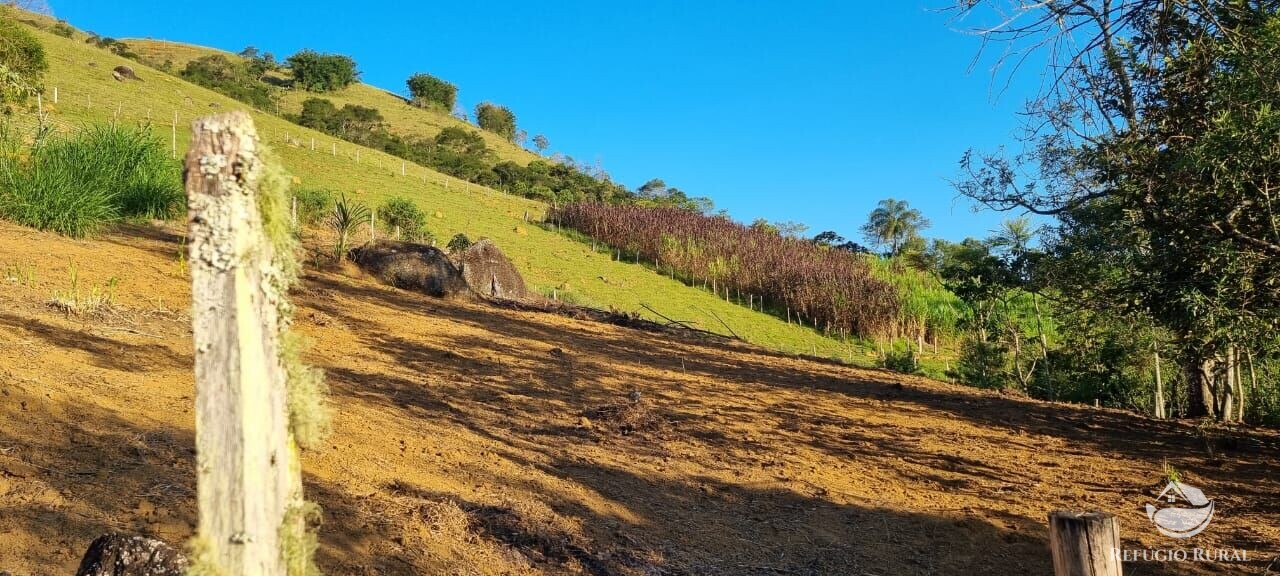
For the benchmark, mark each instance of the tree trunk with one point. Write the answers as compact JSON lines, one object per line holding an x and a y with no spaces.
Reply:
{"x":1044,"y":342}
{"x":1228,"y":408}
{"x":1200,"y":384}
{"x":1159,"y":399}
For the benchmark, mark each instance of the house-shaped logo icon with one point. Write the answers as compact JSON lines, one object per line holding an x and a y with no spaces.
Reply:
{"x":1182,"y":512}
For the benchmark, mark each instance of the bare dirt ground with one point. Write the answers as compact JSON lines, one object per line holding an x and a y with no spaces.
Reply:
{"x":476,"y":440}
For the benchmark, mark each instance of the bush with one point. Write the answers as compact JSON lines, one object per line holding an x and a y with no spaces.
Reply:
{"x":354,"y":123}
{"x":458,"y":243}
{"x":77,"y":184}
{"x":497,"y":119}
{"x":313,"y":204}
{"x":982,"y":365}
{"x":63,"y":29}
{"x":427,"y":90}
{"x":403,"y":214}
{"x":316,"y":72}
{"x":220,"y":74}
{"x":904,"y":362}
{"x":112,"y":45}
{"x":22,"y":55}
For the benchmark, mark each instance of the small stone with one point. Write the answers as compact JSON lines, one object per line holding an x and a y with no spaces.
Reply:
{"x":584,"y":422}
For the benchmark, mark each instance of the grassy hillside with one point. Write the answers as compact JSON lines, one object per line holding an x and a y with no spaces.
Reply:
{"x":403,"y":119}
{"x":86,"y":93}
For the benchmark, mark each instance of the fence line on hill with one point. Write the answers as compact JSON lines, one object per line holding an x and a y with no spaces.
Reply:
{"x":298,"y":137}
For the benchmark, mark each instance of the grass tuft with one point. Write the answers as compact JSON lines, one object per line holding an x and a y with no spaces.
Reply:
{"x":77,"y":184}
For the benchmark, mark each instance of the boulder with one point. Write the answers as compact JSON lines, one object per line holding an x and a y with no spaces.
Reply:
{"x":122,"y":73}
{"x":411,"y":266}
{"x":128,"y":555}
{"x":490,"y":273}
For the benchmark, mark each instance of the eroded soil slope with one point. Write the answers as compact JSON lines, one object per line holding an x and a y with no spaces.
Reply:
{"x":473,"y":440}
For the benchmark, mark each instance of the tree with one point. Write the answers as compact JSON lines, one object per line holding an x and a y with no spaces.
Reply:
{"x":893,"y":223}
{"x":316,"y":72}
{"x":1153,"y":149}
{"x":427,"y":90}
{"x":497,"y":119}
{"x":22,"y":61}
{"x":231,"y":78}
{"x":541,"y":143}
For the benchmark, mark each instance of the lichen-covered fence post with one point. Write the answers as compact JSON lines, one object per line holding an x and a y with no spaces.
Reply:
{"x":244,"y":459}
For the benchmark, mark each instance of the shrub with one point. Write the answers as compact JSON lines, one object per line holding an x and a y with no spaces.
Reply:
{"x":359,"y":124}
{"x":63,"y":29}
{"x":111,"y":45}
{"x":77,"y":184}
{"x":904,"y":361}
{"x":22,"y":56}
{"x":312,"y":204}
{"x":403,"y":214}
{"x":346,"y":219}
{"x":497,"y":119}
{"x":982,"y":365}
{"x":458,"y":243}
{"x":427,"y":90}
{"x":220,"y":74}
{"x":316,"y":72}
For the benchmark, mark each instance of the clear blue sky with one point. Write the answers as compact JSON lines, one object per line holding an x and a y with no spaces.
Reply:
{"x":810,"y":113}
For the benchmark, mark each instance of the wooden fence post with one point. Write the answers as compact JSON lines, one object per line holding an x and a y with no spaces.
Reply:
{"x":243,"y":458}
{"x":1084,"y":544}
{"x":173,"y":135}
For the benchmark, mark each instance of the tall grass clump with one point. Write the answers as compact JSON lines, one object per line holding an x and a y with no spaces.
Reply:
{"x":927,"y":310}
{"x":76,"y":184}
{"x":828,"y":289}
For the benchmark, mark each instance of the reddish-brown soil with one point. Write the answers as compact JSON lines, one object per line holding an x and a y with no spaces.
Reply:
{"x":477,"y":440}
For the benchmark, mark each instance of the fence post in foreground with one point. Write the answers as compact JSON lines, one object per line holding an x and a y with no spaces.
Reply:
{"x":243,"y":457}
{"x":1084,"y":544}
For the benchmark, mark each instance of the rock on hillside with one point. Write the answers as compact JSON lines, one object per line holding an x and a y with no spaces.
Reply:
{"x":410,"y":266}
{"x":490,"y":273}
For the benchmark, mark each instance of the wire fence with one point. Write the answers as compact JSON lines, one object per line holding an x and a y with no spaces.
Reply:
{"x":55,"y":104}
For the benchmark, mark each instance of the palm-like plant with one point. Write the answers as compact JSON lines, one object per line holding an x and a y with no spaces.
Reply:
{"x":1014,"y":236}
{"x":347,"y":218}
{"x":893,"y":223}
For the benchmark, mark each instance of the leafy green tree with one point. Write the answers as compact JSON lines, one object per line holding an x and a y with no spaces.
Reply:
{"x":231,"y":78}
{"x":893,"y":223}
{"x":497,"y":119}
{"x":316,"y":72}
{"x":22,"y":61}
{"x":458,"y":243}
{"x":427,"y":90}
{"x":1154,"y":152}
{"x":400,"y":214}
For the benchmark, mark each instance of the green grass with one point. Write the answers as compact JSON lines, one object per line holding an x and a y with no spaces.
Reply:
{"x":75,"y":184}
{"x":548,"y":260}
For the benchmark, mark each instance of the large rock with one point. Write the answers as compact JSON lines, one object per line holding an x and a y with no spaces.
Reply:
{"x":490,"y":273}
{"x":411,"y":267}
{"x":127,"y":555}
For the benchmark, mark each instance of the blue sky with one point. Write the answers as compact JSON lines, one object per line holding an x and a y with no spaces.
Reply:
{"x":810,"y":113}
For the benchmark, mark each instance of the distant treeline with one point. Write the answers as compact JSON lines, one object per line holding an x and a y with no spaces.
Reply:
{"x":457,"y":151}
{"x":833,"y":290}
